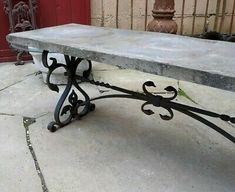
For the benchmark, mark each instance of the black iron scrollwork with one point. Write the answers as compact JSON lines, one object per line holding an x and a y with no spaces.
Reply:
{"x":70,"y":71}
{"x":155,"y":100}
{"x":166,"y":103}
{"x":149,"y":98}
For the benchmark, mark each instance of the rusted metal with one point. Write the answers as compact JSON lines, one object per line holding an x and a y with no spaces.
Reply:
{"x":163,"y":13}
{"x":194,"y":16}
{"x":182,"y":18}
{"x":132,"y":13}
{"x":205,"y":28}
{"x":217,"y":15}
{"x":21,"y":15}
{"x":146,"y":15}
{"x":7,"y":6}
{"x":117,"y":14}
{"x":102,"y":13}
{"x":33,"y":7}
{"x":231,"y":22}
{"x":21,"y":18}
{"x":223,"y":15}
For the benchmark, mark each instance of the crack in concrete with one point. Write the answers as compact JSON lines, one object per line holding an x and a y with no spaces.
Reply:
{"x":8,"y":86}
{"x":27,"y":121}
{"x":12,"y":115}
{"x":42,"y":115}
{"x":7,"y":114}
{"x":4,"y":88}
{"x":34,"y":73}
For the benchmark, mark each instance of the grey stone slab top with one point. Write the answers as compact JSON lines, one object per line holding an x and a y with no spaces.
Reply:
{"x":210,"y":63}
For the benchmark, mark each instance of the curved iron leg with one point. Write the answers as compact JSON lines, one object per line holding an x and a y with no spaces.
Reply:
{"x":68,"y":93}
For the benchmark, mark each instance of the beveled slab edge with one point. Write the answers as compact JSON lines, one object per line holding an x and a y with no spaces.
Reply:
{"x":180,"y":73}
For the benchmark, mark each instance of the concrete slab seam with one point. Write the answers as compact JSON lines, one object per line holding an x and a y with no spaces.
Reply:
{"x":7,"y":114}
{"x":27,"y":121}
{"x":8,"y":86}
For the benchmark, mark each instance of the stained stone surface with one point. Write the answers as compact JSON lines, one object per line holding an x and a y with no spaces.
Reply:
{"x":201,"y":61}
{"x":117,"y":148}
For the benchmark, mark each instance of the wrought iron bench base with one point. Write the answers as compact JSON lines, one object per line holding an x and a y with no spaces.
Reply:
{"x":87,"y":106}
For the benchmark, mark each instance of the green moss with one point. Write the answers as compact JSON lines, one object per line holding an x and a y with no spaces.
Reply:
{"x":182,"y":93}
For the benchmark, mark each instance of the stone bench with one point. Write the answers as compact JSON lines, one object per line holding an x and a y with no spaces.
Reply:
{"x":211,"y":63}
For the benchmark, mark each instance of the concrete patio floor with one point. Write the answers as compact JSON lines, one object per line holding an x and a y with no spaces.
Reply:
{"x":116,"y":148}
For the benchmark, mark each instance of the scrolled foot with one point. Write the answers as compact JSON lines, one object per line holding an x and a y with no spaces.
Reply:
{"x":52,"y":126}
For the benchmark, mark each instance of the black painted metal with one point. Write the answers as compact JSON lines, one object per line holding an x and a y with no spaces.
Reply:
{"x":148,"y":98}
{"x":74,"y":103}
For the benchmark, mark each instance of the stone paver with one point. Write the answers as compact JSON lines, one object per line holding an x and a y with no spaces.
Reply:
{"x":17,"y":171}
{"x":117,"y":148}
{"x":10,"y":76}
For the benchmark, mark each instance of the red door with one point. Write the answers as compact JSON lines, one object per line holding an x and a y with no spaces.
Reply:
{"x":49,"y":13}
{"x":5,"y":52}
{"x":57,"y":12}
